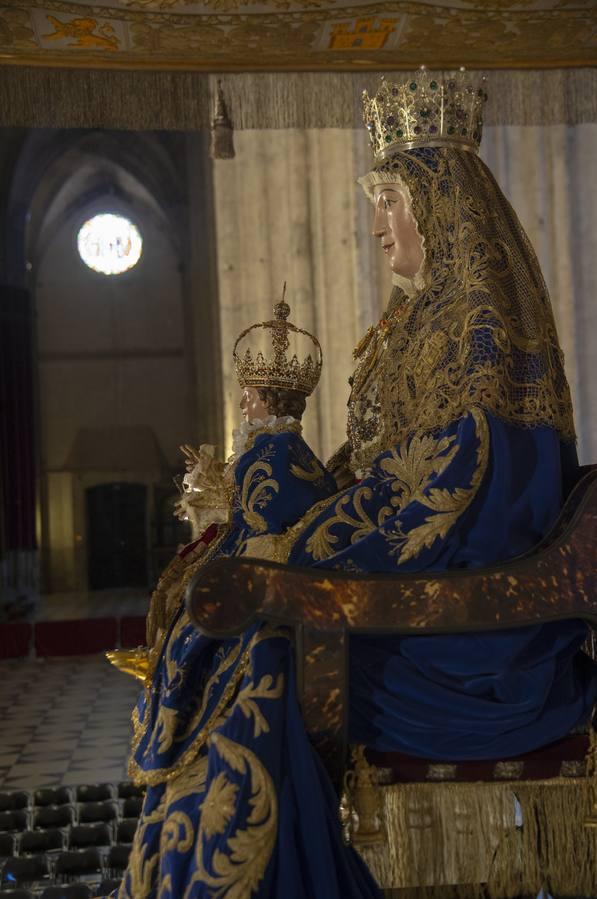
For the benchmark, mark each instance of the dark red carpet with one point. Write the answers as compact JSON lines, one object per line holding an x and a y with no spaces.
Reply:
{"x":70,"y":638}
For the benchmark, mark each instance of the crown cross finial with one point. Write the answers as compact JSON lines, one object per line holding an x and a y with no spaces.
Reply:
{"x":281,"y":308}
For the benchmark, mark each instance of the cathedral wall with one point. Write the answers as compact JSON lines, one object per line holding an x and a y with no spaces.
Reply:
{"x":111,"y":358}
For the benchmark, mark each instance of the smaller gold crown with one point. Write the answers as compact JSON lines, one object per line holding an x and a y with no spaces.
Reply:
{"x":429,"y":110}
{"x":279,"y":370}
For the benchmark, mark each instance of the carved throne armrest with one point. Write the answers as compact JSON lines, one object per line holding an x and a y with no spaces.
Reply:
{"x":556,"y":581}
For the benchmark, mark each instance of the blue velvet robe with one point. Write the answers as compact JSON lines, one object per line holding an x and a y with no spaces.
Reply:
{"x":238,"y":804}
{"x":471,"y":696}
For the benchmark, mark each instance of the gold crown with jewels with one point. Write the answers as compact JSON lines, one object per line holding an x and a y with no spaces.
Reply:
{"x":278,"y":370}
{"x":428,"y":110}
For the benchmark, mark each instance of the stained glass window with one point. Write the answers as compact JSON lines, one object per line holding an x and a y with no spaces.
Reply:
{"x":109,"y":243}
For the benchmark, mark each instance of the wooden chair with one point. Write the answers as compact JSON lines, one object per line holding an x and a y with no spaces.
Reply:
{"x":557,"y":580}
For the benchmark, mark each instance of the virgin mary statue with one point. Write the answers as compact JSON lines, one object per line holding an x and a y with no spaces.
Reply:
{"x":460,"y":452}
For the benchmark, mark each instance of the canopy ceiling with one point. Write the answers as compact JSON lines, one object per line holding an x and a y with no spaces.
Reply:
{"x":293,"y":35}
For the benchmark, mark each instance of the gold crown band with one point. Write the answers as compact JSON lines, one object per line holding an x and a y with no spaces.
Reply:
{"x":414,"y":144}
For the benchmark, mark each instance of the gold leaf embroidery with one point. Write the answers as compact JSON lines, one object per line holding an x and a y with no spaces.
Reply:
{"x":255,"y":491}
{"x":191,"y":780}
{"x":138,"y":884}
{"x":165,"y":891}
{"x":155,"y":776}
{"x":237,"y":875}
{"x":409,"y":471}
{"x":178,"y":833}
{"x":168,"y":596}
{"x":169,"y":772}
{"x":173,"y":670}
{"x":277,"y":547}
{"x":166,"y":725}
{"x":246,"y":700}
{"x":273,"y":547}
{"x":447,"y":506}
{"x":226,"y":661}
{"x":219,"y":805}
{"x":321,"y":543}
{"x":411,"y":467}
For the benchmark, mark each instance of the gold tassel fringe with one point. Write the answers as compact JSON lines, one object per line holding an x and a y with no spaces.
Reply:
{"x":39,"y":97}
{"x":464,"y":840}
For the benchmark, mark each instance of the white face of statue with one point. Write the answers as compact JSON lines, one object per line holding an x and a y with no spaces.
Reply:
{"x":395,"y":226}
{"x":252,"y":406}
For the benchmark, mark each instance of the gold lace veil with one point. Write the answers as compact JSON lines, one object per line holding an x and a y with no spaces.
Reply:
{"x":479,"y":332}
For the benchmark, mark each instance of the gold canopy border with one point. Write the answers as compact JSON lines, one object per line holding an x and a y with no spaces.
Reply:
{"x":183,"y":101}
{"x":298,"y":35}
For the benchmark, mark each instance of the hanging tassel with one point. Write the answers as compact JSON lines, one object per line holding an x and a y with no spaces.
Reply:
{"x":222,"y":131}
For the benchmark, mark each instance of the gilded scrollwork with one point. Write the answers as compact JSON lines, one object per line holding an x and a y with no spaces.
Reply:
{"x":446,"y":505}
{"x":322,"y":542}
{"x":290,"y":31}
{"x":190,"y":782}
{"x":167,"y":721}
{"x":227,"y":659}
{"x":178,"y":833}
{"x":237,"y":872}
{"x":248,"y":695}
{"x":156,"y":775}
{"x":232,"y":666}
{"x":408,"y":469}
{"x":258,"y":488}
{"x":407,"y":473}
{"x":219,"y":805}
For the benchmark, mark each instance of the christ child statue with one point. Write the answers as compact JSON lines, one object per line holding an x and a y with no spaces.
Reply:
{"x":272,"y":477}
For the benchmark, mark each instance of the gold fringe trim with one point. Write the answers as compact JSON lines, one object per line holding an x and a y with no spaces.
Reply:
{"x":474,"y":891}
{"x":32,"y":96}
{"x":465,"y":838}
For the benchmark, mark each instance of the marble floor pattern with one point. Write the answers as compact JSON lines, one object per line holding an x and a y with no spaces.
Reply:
{"x":64,"y":722}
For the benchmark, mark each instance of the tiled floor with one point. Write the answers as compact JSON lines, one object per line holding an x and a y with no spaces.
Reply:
{"x":64,"y":721}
